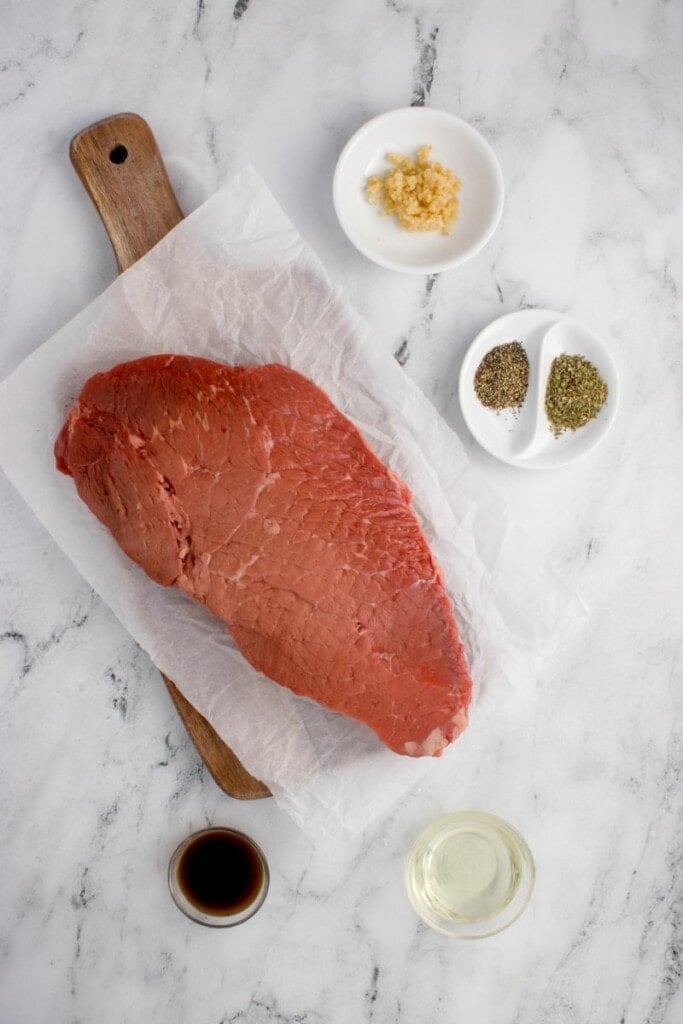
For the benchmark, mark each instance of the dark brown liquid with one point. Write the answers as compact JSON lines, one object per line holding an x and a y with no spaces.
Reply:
{"x":220,"y":872}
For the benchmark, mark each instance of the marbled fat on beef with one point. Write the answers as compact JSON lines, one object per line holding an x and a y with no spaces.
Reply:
{"x":247,"y":488}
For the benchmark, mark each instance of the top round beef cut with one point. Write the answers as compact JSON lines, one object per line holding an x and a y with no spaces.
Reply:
{"x":246,"y":488}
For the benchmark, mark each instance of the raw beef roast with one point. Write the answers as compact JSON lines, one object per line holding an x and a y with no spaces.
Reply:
{"x":246,"y":488}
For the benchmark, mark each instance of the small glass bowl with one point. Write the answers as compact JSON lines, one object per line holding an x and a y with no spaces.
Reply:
{"x":469,"y":875}
{"x":201,"y":916}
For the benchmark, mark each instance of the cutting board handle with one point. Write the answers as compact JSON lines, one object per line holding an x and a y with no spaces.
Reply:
{"x":120,"y":165}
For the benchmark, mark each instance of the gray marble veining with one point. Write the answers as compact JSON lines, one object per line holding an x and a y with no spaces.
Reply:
{"x":99,"y":782}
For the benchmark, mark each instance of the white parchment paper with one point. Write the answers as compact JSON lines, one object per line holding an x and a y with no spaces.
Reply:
{"x":234,"y":282}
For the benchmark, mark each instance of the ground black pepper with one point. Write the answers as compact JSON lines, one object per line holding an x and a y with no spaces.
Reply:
{"x":502,"y":377}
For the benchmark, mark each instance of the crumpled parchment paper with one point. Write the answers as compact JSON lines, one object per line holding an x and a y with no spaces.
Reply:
{"x":235,"y":282}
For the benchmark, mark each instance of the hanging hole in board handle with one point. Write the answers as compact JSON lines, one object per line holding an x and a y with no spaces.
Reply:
{"x":118,"y":154}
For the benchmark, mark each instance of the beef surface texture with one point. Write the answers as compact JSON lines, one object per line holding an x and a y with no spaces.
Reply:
{"x":247,"y":489}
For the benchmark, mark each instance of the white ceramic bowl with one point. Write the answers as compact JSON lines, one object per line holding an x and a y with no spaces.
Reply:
{"x":454,"y":143}
{"x":524,"y":438}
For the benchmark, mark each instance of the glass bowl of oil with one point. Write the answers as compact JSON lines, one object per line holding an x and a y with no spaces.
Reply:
{"x":469,"y":875}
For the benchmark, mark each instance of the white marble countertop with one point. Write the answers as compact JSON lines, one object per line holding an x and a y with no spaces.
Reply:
{"x":581,"y":102}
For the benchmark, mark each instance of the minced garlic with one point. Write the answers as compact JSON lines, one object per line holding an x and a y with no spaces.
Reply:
{"x":423,"y":194}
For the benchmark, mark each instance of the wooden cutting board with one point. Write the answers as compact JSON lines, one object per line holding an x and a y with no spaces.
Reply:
{"x":119,"y":163}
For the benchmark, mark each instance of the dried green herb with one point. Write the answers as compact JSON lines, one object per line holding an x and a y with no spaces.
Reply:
{"x":575,"y":393}
{"x":502,"y":377}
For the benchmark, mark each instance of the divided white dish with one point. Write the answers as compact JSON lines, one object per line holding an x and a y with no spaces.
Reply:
{"x":524,"y":438}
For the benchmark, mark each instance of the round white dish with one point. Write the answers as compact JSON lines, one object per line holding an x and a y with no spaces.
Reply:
{"x":454,"y":143}
{"x":524,"y":438}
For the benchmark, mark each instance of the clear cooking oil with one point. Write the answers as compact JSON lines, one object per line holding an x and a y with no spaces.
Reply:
{"x":469,"y":874}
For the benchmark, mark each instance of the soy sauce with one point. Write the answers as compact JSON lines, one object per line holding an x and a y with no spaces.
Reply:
{"x":220,"y":872}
